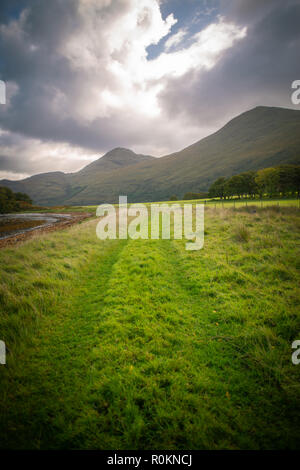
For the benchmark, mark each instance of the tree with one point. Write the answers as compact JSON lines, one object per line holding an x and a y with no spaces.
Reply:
{"x":241,"y":185}
{"x":249,"y":184}
{"x":23,"y":197}
{"x":8,"y":201}
{"x":283,"y":179}
{"x":217,"y":189}
{"x":296,"y":180}
{"x":267,"y":181}
{"x":288,"y":179}
{"x":234,"y":186}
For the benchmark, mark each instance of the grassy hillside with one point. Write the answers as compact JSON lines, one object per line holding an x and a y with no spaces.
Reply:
{"x":56,"y":187}
{"x":256,"y":139}
{"x":45,"y":188}
{"x":128,"y":344}
{"x":259,"y":138}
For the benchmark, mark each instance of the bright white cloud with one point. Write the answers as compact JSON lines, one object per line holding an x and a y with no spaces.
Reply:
{"x":175,"y":39}
{"x":204,"y":52}
{"x":112,"y":48}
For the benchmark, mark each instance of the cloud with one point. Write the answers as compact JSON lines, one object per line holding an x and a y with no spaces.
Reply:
{"x":24,"y":156}
{"x":80,"y":81}
{"x":206,"y":48}
{"x":175,"y":39}
{"x":256,"y":71}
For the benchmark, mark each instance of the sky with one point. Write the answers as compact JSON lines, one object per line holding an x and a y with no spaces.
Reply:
{"x":85,"y":76}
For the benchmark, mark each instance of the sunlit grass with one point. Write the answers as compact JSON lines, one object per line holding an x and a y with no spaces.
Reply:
{"x":141,"y":344}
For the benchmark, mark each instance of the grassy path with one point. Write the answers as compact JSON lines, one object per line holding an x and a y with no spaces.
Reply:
{"x":141,"y":344}
{"x":56,"y":369}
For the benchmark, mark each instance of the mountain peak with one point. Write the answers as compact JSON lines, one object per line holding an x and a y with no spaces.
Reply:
{"x":118,"y":152}
{"x":118,"y":157}
{"x":121,"y":149}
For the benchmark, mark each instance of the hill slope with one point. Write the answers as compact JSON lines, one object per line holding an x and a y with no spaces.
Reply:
{"x":115,"y":159}
{"x":258,"y":138}
{"x":57,"y":187}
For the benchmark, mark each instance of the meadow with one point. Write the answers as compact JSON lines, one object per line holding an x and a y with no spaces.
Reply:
{"x":123,"y":344}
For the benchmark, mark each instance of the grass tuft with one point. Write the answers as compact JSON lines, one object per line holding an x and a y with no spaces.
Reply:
{"x":242,"y":233}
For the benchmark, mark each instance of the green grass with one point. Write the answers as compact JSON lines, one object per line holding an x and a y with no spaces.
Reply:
{"x":144,"y":345}
{"x":214,"y":202}
{"x":239,"y":203}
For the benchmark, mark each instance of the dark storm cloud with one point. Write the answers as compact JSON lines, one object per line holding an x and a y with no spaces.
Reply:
{"x":43,"y":76}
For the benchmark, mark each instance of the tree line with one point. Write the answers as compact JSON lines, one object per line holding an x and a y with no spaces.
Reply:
{"x":12,"y":202}
{"x":283,"y":180}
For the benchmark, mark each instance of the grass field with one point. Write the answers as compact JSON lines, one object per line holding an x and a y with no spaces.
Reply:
{"x":217,"y":203}
{"x":126,"y":344}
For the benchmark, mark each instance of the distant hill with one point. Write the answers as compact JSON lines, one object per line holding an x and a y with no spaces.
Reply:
{"x":259,"y":138}
{"x":47,"y":188}
{"x":56,"y":187}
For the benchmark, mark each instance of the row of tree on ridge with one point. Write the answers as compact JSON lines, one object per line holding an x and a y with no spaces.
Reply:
{"x":283,"y":180}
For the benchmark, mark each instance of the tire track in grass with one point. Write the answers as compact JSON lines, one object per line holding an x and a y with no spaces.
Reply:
{"x":151,"y":391}
{"x":171,"y":374}
{"x":249,"y":391}
{"x":49,"y":388}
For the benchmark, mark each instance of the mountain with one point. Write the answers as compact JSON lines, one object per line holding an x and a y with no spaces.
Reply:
{"x":259,"y":138}
{"x":45,"y":188}
{"x":115,"y":159}
{"x":56,"y":187}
